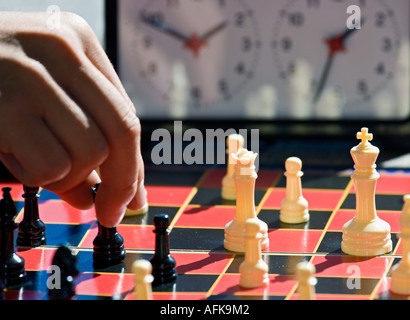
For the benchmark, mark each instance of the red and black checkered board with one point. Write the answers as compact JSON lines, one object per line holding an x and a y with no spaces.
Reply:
{"x":205,"y":269}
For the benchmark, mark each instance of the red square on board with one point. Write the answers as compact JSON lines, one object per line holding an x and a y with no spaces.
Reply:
{"x":104,"y":283}
{"x":317,"y":199}
{"x":266,"y":179}
{"x":395,"y":184}
{"x":16,"y":190}
{"x":201,"y":263}
{"x":37,"y":259}
{"x":297,"y":241}
{"x":228,"y":284}
{"x":135,"y":237}
{"x":343,"y":216}
{"x":58,"y":211}
{"x":172,"y":296}
{"x":167,"y":195}
{"x":322,"y":199}
{"x":207,"y":217}
{"x":349,"y":266}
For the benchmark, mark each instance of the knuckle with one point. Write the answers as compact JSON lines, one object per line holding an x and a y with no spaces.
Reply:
{"x":77,"y":25}
{"x":49,"y":171}
{"x":131,"y":127}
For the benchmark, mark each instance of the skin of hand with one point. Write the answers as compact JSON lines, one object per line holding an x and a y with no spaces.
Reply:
{"x":64,"y":112}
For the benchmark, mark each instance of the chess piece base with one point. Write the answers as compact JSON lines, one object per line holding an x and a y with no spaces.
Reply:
{"x":294,"y":211}
{"x":366,"y":239}
{"x":31,"y":234}
{"x":131,"y":213}
{"x":253,"y":276}
{"x":12,"y":272}
{"x":400,"y":280}
{"x":165,"y":274}
{"x":108,"y":251}
{"x":235,"y":236}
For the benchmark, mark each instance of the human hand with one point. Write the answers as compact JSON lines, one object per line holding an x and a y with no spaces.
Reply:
{"x":64,"y":112}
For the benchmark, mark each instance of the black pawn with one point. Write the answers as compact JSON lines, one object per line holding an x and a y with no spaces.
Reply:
{"x":63,"y":285}
{"x":31,"y":230}
{"x":12,"y":272}
{"x":163,"y":264}
{"x":108,"y":245}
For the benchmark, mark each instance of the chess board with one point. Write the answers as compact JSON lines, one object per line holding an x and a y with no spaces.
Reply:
{"x":191,"y":198}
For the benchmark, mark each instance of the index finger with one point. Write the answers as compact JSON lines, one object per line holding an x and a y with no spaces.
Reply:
{"x":123,"y":170}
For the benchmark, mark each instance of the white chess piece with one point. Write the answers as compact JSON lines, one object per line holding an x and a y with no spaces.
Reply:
{"x":233,"y":143}
{"x":294,"y":208}
{"x":244,"y":176}
{"x":305,"y":273}
{"x":142,"y":270}
{"x":400,"y":272}
{"x":253,"y":271}
{"x":366,"y":234}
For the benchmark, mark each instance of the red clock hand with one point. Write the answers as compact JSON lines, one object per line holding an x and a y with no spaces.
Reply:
{"x":195,"y":44}
{"x":334,"y":45}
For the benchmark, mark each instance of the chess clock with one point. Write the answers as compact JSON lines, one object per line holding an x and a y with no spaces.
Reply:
{"x":264,"y":60}
{"x":341,"y":69}
{"x":193,"y":55}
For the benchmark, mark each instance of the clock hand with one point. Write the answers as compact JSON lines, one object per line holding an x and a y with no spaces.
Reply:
{"x":164,"y":28}
{"x":192,"y":43}
{"x":195,"y":43}
{"x":214,"y":30}
{"x":335,"y":45}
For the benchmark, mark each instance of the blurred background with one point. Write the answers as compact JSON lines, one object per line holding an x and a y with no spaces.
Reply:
{"x":90,"y":10}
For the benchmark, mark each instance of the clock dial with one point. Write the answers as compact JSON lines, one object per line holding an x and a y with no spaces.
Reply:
{"x":329,"y":69}
{"x":194,"y":55}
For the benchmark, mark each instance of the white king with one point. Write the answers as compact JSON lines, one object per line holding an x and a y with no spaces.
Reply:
{"x":366,"y":234}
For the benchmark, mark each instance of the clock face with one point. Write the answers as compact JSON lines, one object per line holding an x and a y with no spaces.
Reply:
{"x":266,"y":60}
{"x":333,"y":69}
{"x":194,"y":55}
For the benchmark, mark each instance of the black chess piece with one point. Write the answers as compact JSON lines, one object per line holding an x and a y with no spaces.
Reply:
{"x":163,"y":264}
{"x":31,"y":230}
{"x":12,"y":272}
{"x":63,"y":285}
{"x":108,"y":245}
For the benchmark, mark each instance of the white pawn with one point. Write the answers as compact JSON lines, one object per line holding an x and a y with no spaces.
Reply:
{"x":294,"y":208}
{"x":142,"y":270}
{"x":305,"y":273}
{"x":400,"y":273}
{"x":234,"y":142}
{"x":253,"y":271}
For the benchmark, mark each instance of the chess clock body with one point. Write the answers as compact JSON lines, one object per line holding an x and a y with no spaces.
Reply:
{"x":265,"y":60}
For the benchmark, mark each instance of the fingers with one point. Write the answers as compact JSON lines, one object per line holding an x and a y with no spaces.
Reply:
{"x":82,"y":119}
{"x":25,"y":150}
{"x":105,"y":105}
{"x":81,"y":196}
{"x":53,"y":140}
